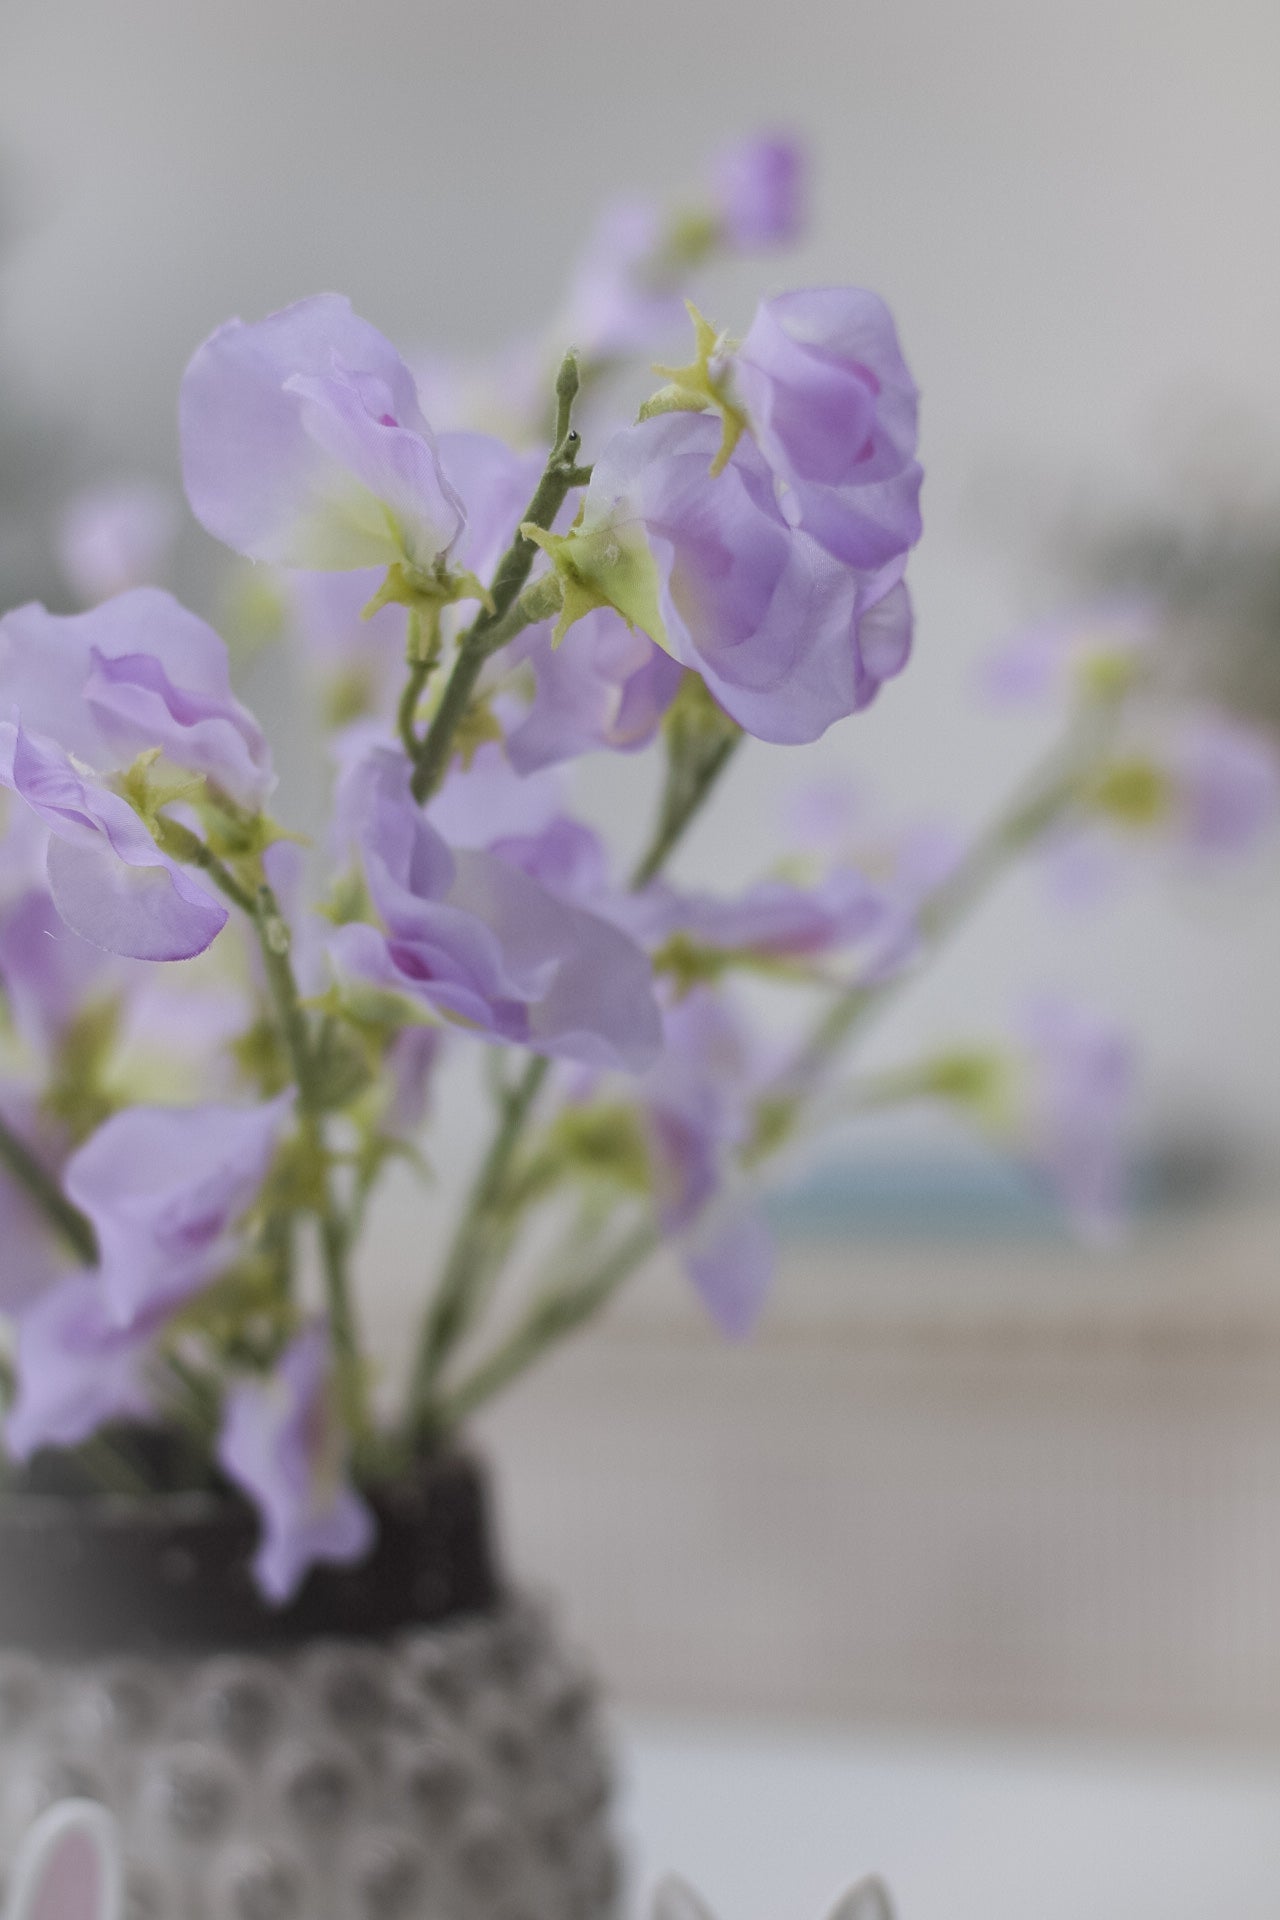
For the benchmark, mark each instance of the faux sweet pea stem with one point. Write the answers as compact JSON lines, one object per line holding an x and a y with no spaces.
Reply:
{"x":41,"y":1187}
{"x":491,"y":630}
{"x":273,"y":944}
{"x":453,"y":1311}
{"x":453,"y":1308}
{"x":272,"y":934}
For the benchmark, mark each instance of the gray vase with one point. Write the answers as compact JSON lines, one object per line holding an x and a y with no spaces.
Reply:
{"x":407,"y":1742}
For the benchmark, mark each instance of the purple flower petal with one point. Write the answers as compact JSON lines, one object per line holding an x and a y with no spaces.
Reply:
{"x":833,"y":408}
{"x":303,"y":442}
{"x":283,"y":1444}
{"x":76,"y":1369}
{"x":164,"y":1188}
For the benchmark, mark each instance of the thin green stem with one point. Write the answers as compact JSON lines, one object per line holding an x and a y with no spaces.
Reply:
{"x":273,"y":944}
{"x":551,"y":1317}
{"x":18,"y":1160}
{"x":490,"y":631}
{"x":456,"y":1301}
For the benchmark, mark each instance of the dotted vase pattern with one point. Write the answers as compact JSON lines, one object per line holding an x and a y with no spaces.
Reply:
{"x":455,"y":1772}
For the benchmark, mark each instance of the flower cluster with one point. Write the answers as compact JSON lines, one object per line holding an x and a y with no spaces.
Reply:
{"x":216,"y":1038}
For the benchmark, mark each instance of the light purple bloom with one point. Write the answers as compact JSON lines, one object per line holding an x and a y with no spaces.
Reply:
{"x":88,"y":693}
{"x":620,"y":303}
{"x":1076,"y":1095}
{"x":778,"y":919}
{"x":116,"y":537}
{"x":731,"y":1259}
{"x":48,"y":974}
{"x":108,"y":879}
{"x":482,"y":943}
{"x":1225,"y":778}
{"x":606,"y":685}
{"x":282,"y":1443}
{"x":786,"y":638}
{"x":138,"y":672}
{"x":759,"y":190}
{"x":697,"y":1103}
{"x":165,"y":1189}
{"x":1088,"y":650}
{"x":833,"y":408}
{"x":303,"y":442}
{"x":1197,"y":791}
{"x":76,"y":1368}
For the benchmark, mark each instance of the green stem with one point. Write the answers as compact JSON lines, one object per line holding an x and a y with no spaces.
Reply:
{"x":18,"y":1160}
{"x":273,"y":944}
{"x":489,"y":631}
{"x":456,"y":1302}
{"x":554,"y":1315}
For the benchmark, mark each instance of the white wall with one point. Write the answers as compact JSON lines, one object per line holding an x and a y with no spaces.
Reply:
{"x":1072,"y":209}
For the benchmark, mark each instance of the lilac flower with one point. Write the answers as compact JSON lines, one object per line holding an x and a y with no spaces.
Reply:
{"x":759,"y":192}
{"x":77,"y":1369}
{"x":363,"y":659}
{"x":779,"y":919}
{"x":620,"y":302}
{"x":283,"y":1444}
{"x":1197,"y":791}
{"x":137,"y":673}
{"x":89,"y":693}
{"x":832,"y":405}
{"x":697,"y":1103}
{"x":483,"y":944}
{"x":606,"y":685}
{"x":48,"y":974}
{"x":786,"y":638}
{"x":116,"y":537}
{"x":1089,"y":652}
{"x":109,"y":881}
{"x":1076,"y":1095}
{"x":303,"y":442}
{"x":165,"y":1188}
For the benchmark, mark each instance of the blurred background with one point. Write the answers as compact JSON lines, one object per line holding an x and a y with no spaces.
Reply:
{"x":968,"y":1481}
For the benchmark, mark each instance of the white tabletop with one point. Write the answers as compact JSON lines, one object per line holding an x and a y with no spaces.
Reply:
{"x":772,"y":1824}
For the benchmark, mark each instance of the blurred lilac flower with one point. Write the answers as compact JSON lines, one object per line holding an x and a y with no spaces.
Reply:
{"x":1090,"y":651}
{"x":116,"y":537}
{"x":77,"y":1369}
{"x":606,"y":685}
{"x":759,"y":189}
{"x":484,"y":944}
{"x":833,"y":408}
{"x":283,"y":1445}
{"x":303,"y":442}
{"x":779,"y":919}
{"x":1198,"y":791}
{"x":698,"y":1102}
{"x":1076,"y":1094}
{"x":165,"y":1188}
{"x":324,"y":619}
{"x":620,"y":302}
{"x":48,"y":974}
{"x":411,"y":1062}
{"x":787,"y":639}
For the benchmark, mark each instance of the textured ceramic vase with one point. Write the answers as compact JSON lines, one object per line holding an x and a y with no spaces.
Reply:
{"x":406,"y":1742}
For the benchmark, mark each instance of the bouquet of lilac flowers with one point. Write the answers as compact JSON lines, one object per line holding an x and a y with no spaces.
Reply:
{"x":220,"y":1033}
